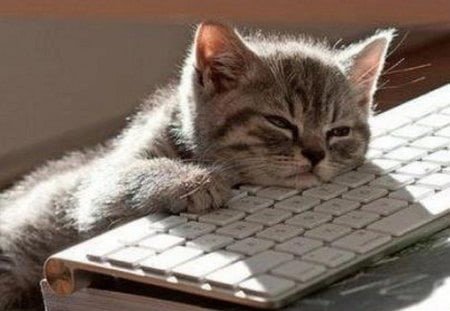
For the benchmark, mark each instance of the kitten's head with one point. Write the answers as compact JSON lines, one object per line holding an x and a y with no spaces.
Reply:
{"x":277,"y":110}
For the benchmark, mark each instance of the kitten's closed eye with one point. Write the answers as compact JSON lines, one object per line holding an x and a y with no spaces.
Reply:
{"x":280,"y":122}
{"x":340,"y":131}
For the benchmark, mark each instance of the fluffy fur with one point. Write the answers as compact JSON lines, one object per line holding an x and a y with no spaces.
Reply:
{"x":267,"y":110}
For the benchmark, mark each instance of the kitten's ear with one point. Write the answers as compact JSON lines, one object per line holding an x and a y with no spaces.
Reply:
{"x":221,"y":57}
{"x":365,"y":61}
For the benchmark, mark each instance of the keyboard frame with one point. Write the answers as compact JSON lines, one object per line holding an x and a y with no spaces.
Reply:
{"x":70,"y":270}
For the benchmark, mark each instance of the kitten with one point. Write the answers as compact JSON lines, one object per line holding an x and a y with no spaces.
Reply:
{"x":265,"y":110}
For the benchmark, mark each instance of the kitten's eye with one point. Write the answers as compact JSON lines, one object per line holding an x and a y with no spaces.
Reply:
{"x":279,"y":122}
{"x":339,"y":131}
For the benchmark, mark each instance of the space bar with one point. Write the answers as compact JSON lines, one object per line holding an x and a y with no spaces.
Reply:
{"x":415,"y":215}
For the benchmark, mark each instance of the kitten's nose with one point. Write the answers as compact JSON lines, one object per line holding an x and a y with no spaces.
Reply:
{"x":314,"y":156}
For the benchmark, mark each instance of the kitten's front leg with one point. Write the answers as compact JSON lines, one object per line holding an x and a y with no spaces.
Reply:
{"x":121,"y":194}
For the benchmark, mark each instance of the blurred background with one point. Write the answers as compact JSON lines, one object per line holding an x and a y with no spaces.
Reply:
{"x":72,"y":70}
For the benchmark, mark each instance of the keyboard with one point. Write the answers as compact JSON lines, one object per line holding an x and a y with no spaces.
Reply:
{"x":272,"y":245}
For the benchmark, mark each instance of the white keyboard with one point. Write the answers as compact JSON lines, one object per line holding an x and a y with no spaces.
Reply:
{"x":273,"y":245}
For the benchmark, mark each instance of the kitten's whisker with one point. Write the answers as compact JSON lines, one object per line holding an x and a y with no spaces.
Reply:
{"x":408,"y":69}
{"x":404,"y":84}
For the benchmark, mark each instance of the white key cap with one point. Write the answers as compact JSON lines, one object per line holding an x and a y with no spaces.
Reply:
{"x":328,"y":256}
{"x":269,"y":216}
{"x":241,"y":270}
{"x":384,"y":206}
{"x":354,"y":179}
{"x":392,"y":181}
{"x":250,"y":246}
{"x":435,"y":121}
{"x":299,"y":246}
{"x":411,"y":193}
{"x":441,"y":157}
{"x":387,"y":143}
{"x":389,"y":121}
{"x":250,"y":204}
{"x":190,"y":216}
{"x":163,"y":262}
{"x":328,"y":232}
{"x":365,"y":194}
{"x":337,"y":206}
{"x":161,"y":242}
{"x":276,"y":193}
{"x":373,"y":154}
{"x":418,"y":169}
{"x":362,"y":241}
{"x":103,"y":247}
{"x":198,"y":268}
{"x":222,"y":217}
{"x":356,"y":219}
{"x":167,"y":223}
{"x":445,"y":132}
{"x":309,"y":220}
{"x":403,"y":221}
{"x":131,"y":233}
{"x":412,"y":132}
{"x":250,"y":188}
{"x":240,"y":229}
{"x":431,"y":143}
{"x":405,"y":154}
{"x":379,"y":166}
{"x":436,"y":181}
{"x":210,"y":242}
{"x":280,"y":233}
{"x":266,"y":285}
{"x":445,"y":111}
{"x":192,"y":229}
{"x":438,"y":203}
{"x":299,"y":270}
{"x":236,"y":195}
{"x":325,"y":192}
{"x":377,"y":131}
{"x":129,"y":256}
{"x":297,"y":204}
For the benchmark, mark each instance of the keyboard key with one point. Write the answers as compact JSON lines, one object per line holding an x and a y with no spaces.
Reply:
{"x":250,"y":204}
{"x":418,"y":169}
{"x":240,"y":229}
{"x":412,"y":132}
{"x":250,"y":246}
{"x":365,"y":194}
{"x":133,"y":232}
{"x":387,"y":143}
{"x":210,"y":242}
{"x":435,"y":181}
{"x":445,"y":132}
{"x":430,"y":143}
{"x":236,"y":195}
{"x":373,"y":154}
{"x":435,"y":121}
{"x":199,"y":267}
{"x":222,"y":217}
{"x":337,"y":206}
{"x":269,"y":216}
{"x":102,"y":247}
{"x":405,"y":154}
{"x":266,"y":285}
{"x":328,"y":232}
{"x":309,"y":220}
{"x":389,"y":121}
{"x":362,"y":241}
{"x":392,"y":181}
{"x":167,"y":223}
{"x":299,"y":270}
{"x":325,"y":192}
{"x":129,"y":257}
{"x":280,"y":233}
{"x":403,"y":221}
{"x":250,"y":188}
{"x":190,"y":216}
{"x":379,"y":166}
{"x":328,"y":256}
{"x":276,"y":193}
{"x":299,"y":246}
{"x":441,"y":157}
{"x":163,"y":262}
{"x":384,"y":206}
{"x":297,"y":204}
{"x":354,"y":179}
{"x":356,"y":219}
{"x":411,"y":193}
{"x":235,"y":273}
{"x":161,"y":242}
{"x":192,"y":230}
{"x":438,"y":203}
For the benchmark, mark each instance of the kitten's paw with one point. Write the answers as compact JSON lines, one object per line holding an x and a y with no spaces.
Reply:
{"x":207,"y":193}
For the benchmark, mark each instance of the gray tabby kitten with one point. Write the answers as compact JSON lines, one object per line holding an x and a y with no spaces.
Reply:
{"x":266,"y":110}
